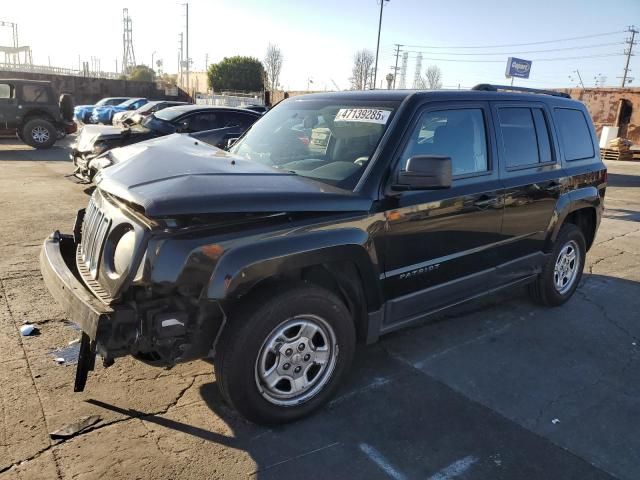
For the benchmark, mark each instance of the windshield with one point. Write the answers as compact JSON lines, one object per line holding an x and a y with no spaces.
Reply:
{"x":102,"y":102}
{"x":169,"y":114}
{"x":155,"y":123}
{"x":128,"y":103}
{"x":148,"y":106}
{"x":326,"y":140}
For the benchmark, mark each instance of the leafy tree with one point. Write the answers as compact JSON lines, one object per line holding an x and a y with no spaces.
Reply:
{"x":237,"y":73}
{"x":171,"y":78}
{"x":142,"y":73}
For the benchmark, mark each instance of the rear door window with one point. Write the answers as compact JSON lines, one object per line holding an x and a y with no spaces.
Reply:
{"x":575,"y":134}
{"x":525,"y":136}
{"x":204,"y":121}
{"x":242,"y":120}
{"x":35,"y":94}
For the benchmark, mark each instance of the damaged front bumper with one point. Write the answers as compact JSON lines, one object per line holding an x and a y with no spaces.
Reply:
{"x":101,"y":324}
{"x":81,"y":163}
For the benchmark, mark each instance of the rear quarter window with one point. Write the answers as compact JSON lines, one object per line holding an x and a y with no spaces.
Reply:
{"x":35,"y":94}
{"x":575,"y":134}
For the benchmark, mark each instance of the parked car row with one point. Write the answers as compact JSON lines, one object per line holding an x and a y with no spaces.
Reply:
{"x":88,"y":152}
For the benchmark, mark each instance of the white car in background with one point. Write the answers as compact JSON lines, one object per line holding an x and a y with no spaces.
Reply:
{"x":134,"y":117}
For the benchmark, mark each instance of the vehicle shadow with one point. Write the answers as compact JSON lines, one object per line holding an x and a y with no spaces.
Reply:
{"x":14,"y":150}
{"x":452,"y":388}
{"x":622,"y":180}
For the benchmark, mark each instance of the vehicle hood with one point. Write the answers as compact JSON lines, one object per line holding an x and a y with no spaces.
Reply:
{"x":176,"y":175}
{"x":90,"y":134}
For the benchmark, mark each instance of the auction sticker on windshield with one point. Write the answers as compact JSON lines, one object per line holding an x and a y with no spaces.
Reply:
{"x":368,"y":115}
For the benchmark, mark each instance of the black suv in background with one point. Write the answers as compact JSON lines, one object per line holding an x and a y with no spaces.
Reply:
{"x":33,"y":110}
{"x":336,"y":218}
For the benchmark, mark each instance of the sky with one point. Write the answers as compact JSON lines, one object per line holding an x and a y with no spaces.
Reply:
{"x":318,"y":39}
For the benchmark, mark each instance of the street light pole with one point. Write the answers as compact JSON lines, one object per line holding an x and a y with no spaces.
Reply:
{"x":375,"y":70}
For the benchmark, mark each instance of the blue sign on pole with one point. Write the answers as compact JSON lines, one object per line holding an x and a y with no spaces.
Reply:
{"x":517,"y":67}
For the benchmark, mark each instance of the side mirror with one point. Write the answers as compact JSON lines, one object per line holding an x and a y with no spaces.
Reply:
{"x":231,"y":141}
{"x":425,"y":172}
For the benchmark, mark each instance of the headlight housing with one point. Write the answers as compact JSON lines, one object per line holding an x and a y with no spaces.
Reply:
{"x":100,"y":162}
{"x":119,"y":250}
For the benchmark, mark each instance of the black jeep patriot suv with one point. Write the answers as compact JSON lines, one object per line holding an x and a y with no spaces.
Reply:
{"x":336,"y":218}
{"x":32,"y":110}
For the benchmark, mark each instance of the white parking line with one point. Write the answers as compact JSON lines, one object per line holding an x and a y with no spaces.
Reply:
{"x":456,"y":469}
{"x":382,"y":462}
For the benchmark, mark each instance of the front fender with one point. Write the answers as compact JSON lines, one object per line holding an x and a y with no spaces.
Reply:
{"x":242,"y":267}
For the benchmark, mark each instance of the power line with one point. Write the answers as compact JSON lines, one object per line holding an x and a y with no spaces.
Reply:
{"x":580,"y":47}
{"x":522,"y":44}
{"x":534,"y":59}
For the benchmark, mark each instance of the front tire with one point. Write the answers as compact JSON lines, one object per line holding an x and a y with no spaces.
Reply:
{"x":562,"y":273}
{"x":39,"y":133}
{"x":285,"y":356}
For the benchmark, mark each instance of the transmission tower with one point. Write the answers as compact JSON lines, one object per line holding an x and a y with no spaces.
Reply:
{"x":417,"y":76}
{"x":403,"y":71}
{"x":128,"y":57}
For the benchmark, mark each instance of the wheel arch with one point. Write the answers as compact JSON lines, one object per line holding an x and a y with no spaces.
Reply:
{"x":341,"y":264}
{"x":583,"y":208}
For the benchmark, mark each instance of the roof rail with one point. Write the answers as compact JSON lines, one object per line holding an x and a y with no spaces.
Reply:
{"x":487,"y":87}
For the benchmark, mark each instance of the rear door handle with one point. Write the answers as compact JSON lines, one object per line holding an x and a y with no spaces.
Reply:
{"x":485,"y":201}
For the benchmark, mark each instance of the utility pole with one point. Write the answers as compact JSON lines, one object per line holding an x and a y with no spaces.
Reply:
{"x":627,"y":52}
{"x":580,"y":78}
{"x":187,"y":34}
{"x":395,"y":69}
{"x":375,"y":70}
{"x":181,"y":58}
{"x":206,"y":62}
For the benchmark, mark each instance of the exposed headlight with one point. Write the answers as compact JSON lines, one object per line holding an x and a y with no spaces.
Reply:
{"x":100,"y":162}
{"x":123,"y":252}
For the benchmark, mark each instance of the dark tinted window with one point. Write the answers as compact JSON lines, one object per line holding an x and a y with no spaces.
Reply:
{"x":203,"y":121}
{"x":519,"y":141}
{"x":574,"y":134}
{"x":6,"y":91}
{"x":459,"y":134}
{"x":35,"y":94}
{"x":233,"y":119}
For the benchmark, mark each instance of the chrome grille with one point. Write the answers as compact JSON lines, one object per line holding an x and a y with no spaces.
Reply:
{"x":94,"y":231}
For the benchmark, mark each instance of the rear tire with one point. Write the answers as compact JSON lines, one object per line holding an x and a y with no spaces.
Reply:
{"x":562,"y":273}
{"x":285,"y":356}
{"x":39,"y":133}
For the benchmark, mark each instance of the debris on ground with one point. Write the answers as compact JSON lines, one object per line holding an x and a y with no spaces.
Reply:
{"x":555,"y":420}
{"x":28,"y":329}
{"x":74,"y":428}
{"x":67,"y":355}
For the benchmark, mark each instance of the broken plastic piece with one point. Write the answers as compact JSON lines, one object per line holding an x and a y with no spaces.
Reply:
{"x":27,"y":329}
{"x":75,"y":428}
{"x":555,"y":420}
{"x":59,"y":360}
